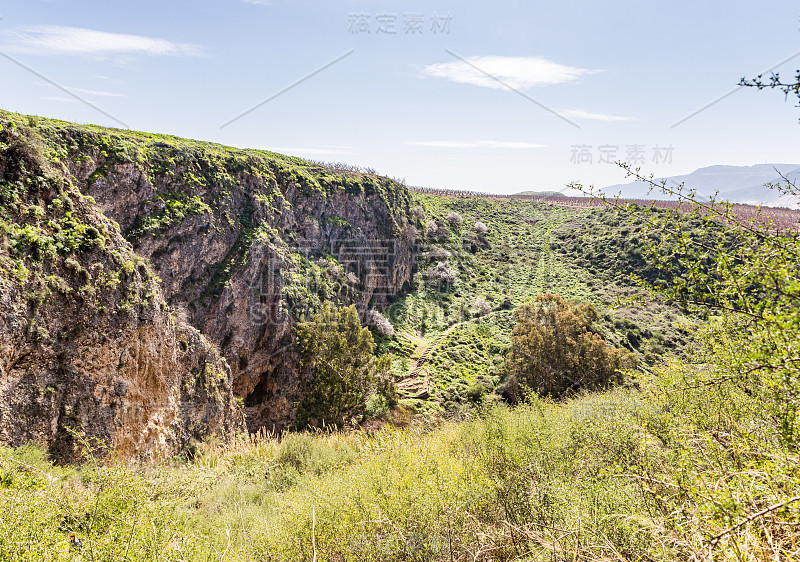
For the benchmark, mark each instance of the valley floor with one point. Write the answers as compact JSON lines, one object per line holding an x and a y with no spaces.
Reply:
{"x":451,"y":338}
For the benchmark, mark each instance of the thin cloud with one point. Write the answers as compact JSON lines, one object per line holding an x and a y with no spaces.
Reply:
{"x":57,"y":40}
{"x":58,"y":98}
{"x":517,"y":72}
{"x":580,"y":114}
{"x":478,"y":144}
{"x":99,"y":93}
{"x":258,"y":2}
{"x":313,"y":151}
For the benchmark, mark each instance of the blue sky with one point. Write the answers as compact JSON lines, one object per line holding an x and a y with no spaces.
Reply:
{"x":498,"y":96}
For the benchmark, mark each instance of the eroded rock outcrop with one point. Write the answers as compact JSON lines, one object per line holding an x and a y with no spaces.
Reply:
{"x":246,"y":242}
{"x":88,"y":346}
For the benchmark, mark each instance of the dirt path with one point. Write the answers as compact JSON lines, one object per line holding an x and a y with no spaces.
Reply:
{"x":416,"y":384}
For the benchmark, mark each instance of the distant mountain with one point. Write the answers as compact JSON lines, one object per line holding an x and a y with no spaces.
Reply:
{"x":541,"y":193}
{"x":737,"y":184}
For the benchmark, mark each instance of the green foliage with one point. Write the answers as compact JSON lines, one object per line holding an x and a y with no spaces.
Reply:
{"x":653,"y":474}
{"x":176,"y":207}
{"x":747,"y":271}
{"x":338,"y":355}
{"x":55,"y":245}
{"x":697,"y":461}
{"x":527,"y":249}
{"x":301,"y":454}
{"x":554,"y":351}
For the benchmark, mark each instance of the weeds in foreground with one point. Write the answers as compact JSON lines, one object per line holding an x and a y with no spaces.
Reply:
{"x":678,"y":470}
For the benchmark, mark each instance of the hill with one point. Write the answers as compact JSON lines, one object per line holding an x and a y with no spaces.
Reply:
{"x":736,"y":184}
{"x":238,"y":244}
{"x":243,"y":244}
{"x":541,"y":193}
{"x":149,"y":291}
{"x":527,"y":248}
{"x":87,"y":342}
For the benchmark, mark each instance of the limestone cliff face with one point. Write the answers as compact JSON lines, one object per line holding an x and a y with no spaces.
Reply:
{"x":87,"y":343}
{"x":247,"y":242}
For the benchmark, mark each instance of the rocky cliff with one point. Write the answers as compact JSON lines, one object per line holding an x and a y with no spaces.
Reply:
{"x":244,"y":242}
{"x":88,"y":345}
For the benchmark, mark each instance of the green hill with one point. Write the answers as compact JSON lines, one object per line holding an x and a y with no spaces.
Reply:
{"x":528,"y":248}
{"x":247,"y":243}
{"x":150,"y":293}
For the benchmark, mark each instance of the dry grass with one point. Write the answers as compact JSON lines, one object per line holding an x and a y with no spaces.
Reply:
{"x":664,"y":473}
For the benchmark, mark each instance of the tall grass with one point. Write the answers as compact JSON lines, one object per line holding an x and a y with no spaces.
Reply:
{"x":674,"y":470}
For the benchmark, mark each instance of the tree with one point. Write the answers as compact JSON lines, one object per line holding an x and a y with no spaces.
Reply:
{"x":381,"y":324}
{"x":341,"y":368}
{"x":555,"y":352}
{"x":775,"y":82}
{"x":441,"y":275}
{"x":747,"y":272}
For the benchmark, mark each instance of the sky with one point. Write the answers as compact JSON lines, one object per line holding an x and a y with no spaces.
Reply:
{"x":501,"y":96}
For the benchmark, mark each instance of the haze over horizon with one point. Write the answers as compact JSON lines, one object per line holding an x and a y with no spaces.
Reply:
{"x":500,"y":97}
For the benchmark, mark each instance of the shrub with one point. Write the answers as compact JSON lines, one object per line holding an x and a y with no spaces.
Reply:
{"x":555,"y":353}
{"x":453,"y":218}
{"x":438,"y":253}
{"x":380,"y":323}
{"x":441,"y":275}
{"x":340,"y":367}
{"x":431,"y":228}
{"x":409,"y":233}
{"x":481,"y":306}
{"x":305,"y":453}
{"x":418,"y":213}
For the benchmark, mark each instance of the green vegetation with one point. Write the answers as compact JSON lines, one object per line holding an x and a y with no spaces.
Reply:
{"x":554,"y":351}
{"x":694,"y":456}
{"x":202,"y":187}
{"x":176,"y":209}
{"x":55,"y":247}
{"x":343,"y":375}
{"x":493,"y":256}
{"x":750,"y":275}
{"x":650,"y":474}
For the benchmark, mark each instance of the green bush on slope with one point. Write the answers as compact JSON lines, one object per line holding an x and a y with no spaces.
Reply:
{"x":342,"y":370}
{"x":554,"y":351}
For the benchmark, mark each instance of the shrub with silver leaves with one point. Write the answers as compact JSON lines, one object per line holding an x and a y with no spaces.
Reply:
{"x":453,"y":218}
{"x":380,"y":323}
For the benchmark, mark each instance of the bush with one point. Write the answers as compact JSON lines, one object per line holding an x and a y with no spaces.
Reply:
{"x":481,"y":306}
{"x":380,"y":323}
{"x":441,"y":275}
{"x":454,"y":219}
{"x":555,"y":353}
{"x":303,"y":452}
{"x":431,"y":228}
{"x":418,"y":213}
{"x":437,"y":253}
{"x":340,"y":367}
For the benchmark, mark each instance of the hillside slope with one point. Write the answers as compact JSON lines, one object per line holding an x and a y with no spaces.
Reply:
{"x":87,"y":343}
{"x":480,"y":259}
{"x":245,"y":242}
